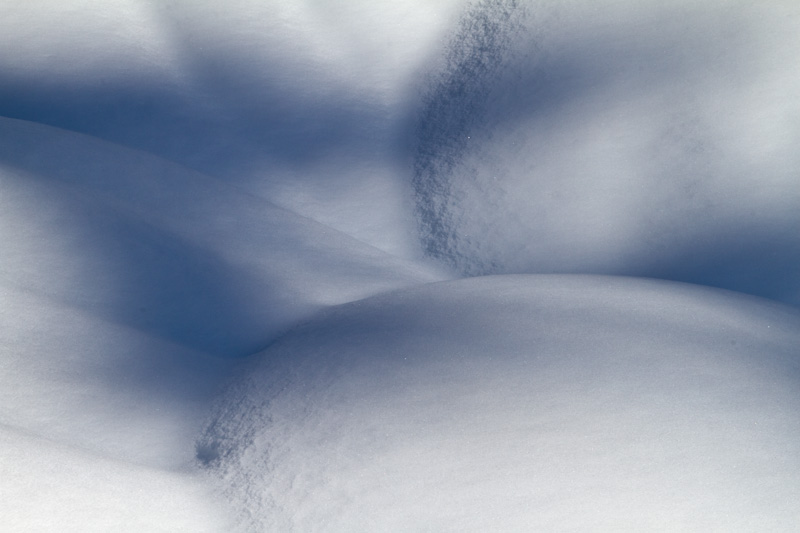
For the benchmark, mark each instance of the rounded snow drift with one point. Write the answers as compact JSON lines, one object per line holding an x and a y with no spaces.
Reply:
{"x":520,"y":403}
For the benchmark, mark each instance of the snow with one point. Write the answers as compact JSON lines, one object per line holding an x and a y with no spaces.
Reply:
{"x":176,"y":253}
{"x":514,"y":403}
{"x":51,"y":487}
{"x":656,"y":140}
{"x":463,"y":265}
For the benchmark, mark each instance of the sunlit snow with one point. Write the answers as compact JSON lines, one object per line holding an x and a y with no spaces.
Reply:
{"x":349,"y":266}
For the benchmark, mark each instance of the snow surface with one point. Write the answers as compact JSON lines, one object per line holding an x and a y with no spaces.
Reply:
{"x":231,"y":237}
{"x":521,"y":403}
{"x":636,"y":138}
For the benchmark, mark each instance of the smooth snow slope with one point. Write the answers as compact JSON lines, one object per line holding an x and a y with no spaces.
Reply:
{"x":49,"y":487}
{"x":151,"y":245}
{"x":520,"y":403}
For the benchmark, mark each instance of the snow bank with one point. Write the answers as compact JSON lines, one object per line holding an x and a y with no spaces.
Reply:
{"x":520,"y":403}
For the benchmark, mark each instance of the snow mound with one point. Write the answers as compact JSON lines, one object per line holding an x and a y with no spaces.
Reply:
{"x":633,"y":138}
{"x":520,"y":403}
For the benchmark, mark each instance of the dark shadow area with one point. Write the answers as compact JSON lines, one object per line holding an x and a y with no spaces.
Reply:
{"x":283,"y":128}
{"x":226,"y":110}
{"x":147,"y":278}
{"x":763,"y":261}
{"x":175,"y":290}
